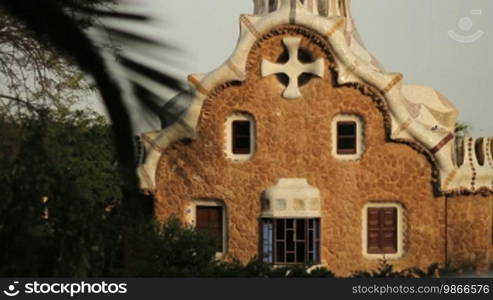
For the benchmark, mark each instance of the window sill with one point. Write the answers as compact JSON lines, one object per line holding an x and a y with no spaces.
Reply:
{"x":391,"y":256}
{"x":281,"y":265}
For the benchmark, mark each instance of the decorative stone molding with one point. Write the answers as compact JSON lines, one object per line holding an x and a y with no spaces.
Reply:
{"x":291,"y":198}
{"x":473,"y":170}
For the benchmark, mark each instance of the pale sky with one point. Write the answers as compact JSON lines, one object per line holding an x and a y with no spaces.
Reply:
{"x":418,"y":38}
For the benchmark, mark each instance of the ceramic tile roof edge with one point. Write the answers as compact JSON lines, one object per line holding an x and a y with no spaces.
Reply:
{"x":469,"y":178}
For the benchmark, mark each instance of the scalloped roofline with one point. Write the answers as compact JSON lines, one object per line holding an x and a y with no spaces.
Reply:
{"x":471,"y":177}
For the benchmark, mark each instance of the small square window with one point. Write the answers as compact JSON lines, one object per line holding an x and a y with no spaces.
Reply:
{"x":346,"y":137}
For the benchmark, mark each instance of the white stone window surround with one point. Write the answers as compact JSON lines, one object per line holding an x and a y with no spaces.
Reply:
{"x":291,"y":198}
{"x":400,"y":230}
{"x":360,"y":147}
{"x":192,"y":211}
{"x":228,"y":145}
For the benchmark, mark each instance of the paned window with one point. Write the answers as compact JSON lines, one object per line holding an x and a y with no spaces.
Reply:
{"x":291,"y":241}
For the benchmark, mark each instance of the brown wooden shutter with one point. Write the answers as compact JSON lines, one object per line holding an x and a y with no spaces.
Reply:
{"x":382,"y":230}
{"x":210,"y":219}
{"x":388,"y":234}
{"x":373,"y":230}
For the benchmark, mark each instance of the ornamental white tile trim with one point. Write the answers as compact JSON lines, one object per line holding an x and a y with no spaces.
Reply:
{"x":293,"y":68}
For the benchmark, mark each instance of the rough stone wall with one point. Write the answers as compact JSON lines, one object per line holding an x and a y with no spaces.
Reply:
{"x":469,"y":230}
{"x":293,"y":140}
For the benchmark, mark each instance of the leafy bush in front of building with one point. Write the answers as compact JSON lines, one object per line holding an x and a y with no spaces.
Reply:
{"x":169,"y":250}
{"x":386,"y":270}
{"x":172,"y":249}
{"x":257,"y":268}
{"x":175,"y":250}
{"x":470,"y":268}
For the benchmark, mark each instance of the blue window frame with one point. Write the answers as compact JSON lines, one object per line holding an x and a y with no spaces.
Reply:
{"x":291,"y":241}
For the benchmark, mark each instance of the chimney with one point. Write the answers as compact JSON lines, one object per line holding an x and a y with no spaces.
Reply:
{"x":324,"y":8}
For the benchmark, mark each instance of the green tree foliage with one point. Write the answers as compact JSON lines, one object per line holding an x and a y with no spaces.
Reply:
{"x":33,"y":75}
{"x":62,"y":211}
{"x":257,"y":268}
{"x":171,"y":250}
{"x":60,"y":196}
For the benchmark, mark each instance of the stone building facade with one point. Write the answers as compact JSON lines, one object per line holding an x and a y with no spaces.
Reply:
{"x":301,"y":148}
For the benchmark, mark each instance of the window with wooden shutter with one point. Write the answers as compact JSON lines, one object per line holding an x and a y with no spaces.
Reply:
{"x":210,"y":219}
{"x":241,"y":137}
{"x":346,"y":137}
{"x":382,"y":230}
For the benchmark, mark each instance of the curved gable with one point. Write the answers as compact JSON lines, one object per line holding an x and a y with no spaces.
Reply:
{"x":355,"y":67}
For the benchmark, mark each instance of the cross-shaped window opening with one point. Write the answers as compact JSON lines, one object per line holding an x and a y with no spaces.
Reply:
{"x":295,"y":71}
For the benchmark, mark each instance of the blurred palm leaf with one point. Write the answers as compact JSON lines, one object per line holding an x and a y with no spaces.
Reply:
{"x":131,"y":81}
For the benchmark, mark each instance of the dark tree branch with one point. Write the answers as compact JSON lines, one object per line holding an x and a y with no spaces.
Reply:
{"x":51,"y":25}
{"x":25,"y":103}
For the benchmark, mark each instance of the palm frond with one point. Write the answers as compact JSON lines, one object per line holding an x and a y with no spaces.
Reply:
{"x":131,"y":80}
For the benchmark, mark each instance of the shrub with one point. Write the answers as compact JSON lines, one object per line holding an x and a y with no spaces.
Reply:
{"x":257,"y":268}
{"x":386,"y":270}
{"x":170,"y":250}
